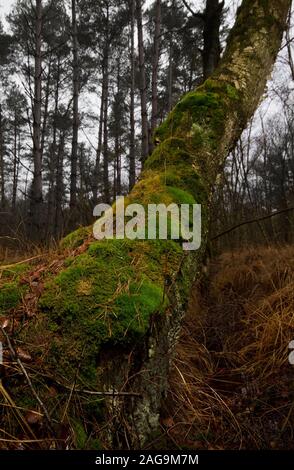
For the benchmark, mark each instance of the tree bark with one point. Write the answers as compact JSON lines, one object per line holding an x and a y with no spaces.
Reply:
{"x":143,"y":86}
{"x":46,"y":105}
{"x":37,"y":191}
{"x":15,"y":163}
{"x":53,"y":156}
{"x":211,"y":36}
{"x":106,"y":189}
{"x":131,"y":297}
{"x":170,"y":77}
{"x":99,"y":145}
{"x":2,"y":174}
{"x":155,"y":64}
{"x":75,"y":122}
{"x":58,"y":225}
{"x":132,"y":158}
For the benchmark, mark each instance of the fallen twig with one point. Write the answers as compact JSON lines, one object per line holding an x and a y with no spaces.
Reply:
{"x":7,"y":266}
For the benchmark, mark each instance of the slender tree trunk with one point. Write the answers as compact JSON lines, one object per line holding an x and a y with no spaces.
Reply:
{"x":82,"y":173}
{"x":132,"y":163}
{"x":46,"y":104}
{"x":155,"y":64}
{"x":58,"y":226}
{"x":211,"y":36}
{"x":37,"y":191}
{"x":143,"y":86}
{"x":75,"y":122}
{"x":53,"y":157}
{"x":117,"y":140}
{"x":106,"y":189}
{"x":99,"y":145}
{"x":170,"y":78}
{"x":2,"y":174}
{"x":15,"y":163}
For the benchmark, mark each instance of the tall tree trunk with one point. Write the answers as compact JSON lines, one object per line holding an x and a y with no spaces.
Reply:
{"x":99,"y":145}
{"x":46,"y":104}
{"x":53,"y":157}
{"x":155,"y":63}
{"x":106,"y":189}
{"x":75,"y":121}
{"x":2,"y":174}
{"x":133,"y":294}
{"x":117,"y":139}
{"x":143,"y":86}
{"x":211,"y":36}
{"x":132,"y":162}
{"x":170,"y":78}
{"x":58,"y":227}
{"x":15,"y":163}
{"x":37,"y":191}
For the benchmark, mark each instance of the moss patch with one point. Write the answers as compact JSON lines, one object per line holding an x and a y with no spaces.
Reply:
{"x":106,"y":295}
{"x":75,"y":239}
{"x":11,"y":290}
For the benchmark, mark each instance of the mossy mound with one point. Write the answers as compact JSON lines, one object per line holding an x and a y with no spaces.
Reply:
{"x":75,"y":239}
{"x":105,"y":296}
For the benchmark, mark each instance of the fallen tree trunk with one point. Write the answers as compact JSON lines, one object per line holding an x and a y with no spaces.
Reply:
{"x":110,"y":318}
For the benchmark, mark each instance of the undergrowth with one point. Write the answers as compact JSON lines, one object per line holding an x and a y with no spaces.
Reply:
{"x":232,"y":386}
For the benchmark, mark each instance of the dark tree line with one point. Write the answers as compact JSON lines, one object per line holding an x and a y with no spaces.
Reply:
{"x":60,"y":156}
{"x":84,"y":84}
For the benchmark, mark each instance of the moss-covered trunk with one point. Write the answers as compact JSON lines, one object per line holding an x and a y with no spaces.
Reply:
{"x":115,"y":308}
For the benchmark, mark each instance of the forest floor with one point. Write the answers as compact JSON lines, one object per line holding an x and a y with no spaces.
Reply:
{"x":232,"y":386}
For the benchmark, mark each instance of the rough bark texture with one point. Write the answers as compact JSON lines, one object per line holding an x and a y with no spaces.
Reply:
{"x":132,"y":165}
{"x":75,"y":111}
{"x":2,"y":177}
{"x":143,"y":87}
{"x":114,"y":311}
{"x":211,"y":31}
{"x":37,"y":192}
{"x":155,"y":63}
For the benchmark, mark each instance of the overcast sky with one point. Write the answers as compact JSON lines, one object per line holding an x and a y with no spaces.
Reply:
{"x":5,"y":5}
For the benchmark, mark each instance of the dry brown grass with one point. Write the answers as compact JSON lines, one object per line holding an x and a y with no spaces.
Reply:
{"x":232,"y":385}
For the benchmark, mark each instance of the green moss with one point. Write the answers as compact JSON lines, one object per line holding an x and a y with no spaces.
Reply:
{"x":83,"y":316}
{"x":11,"y":290}
{"x":135,"y":307}
{"x":75,"y":239}
{"x":200,"y":115}
{"x":14,"y":272}
{"x":180,"y":196}
{"x":10,"y":295}
{"x":201,"y":107}
{"x":172,"y":151}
